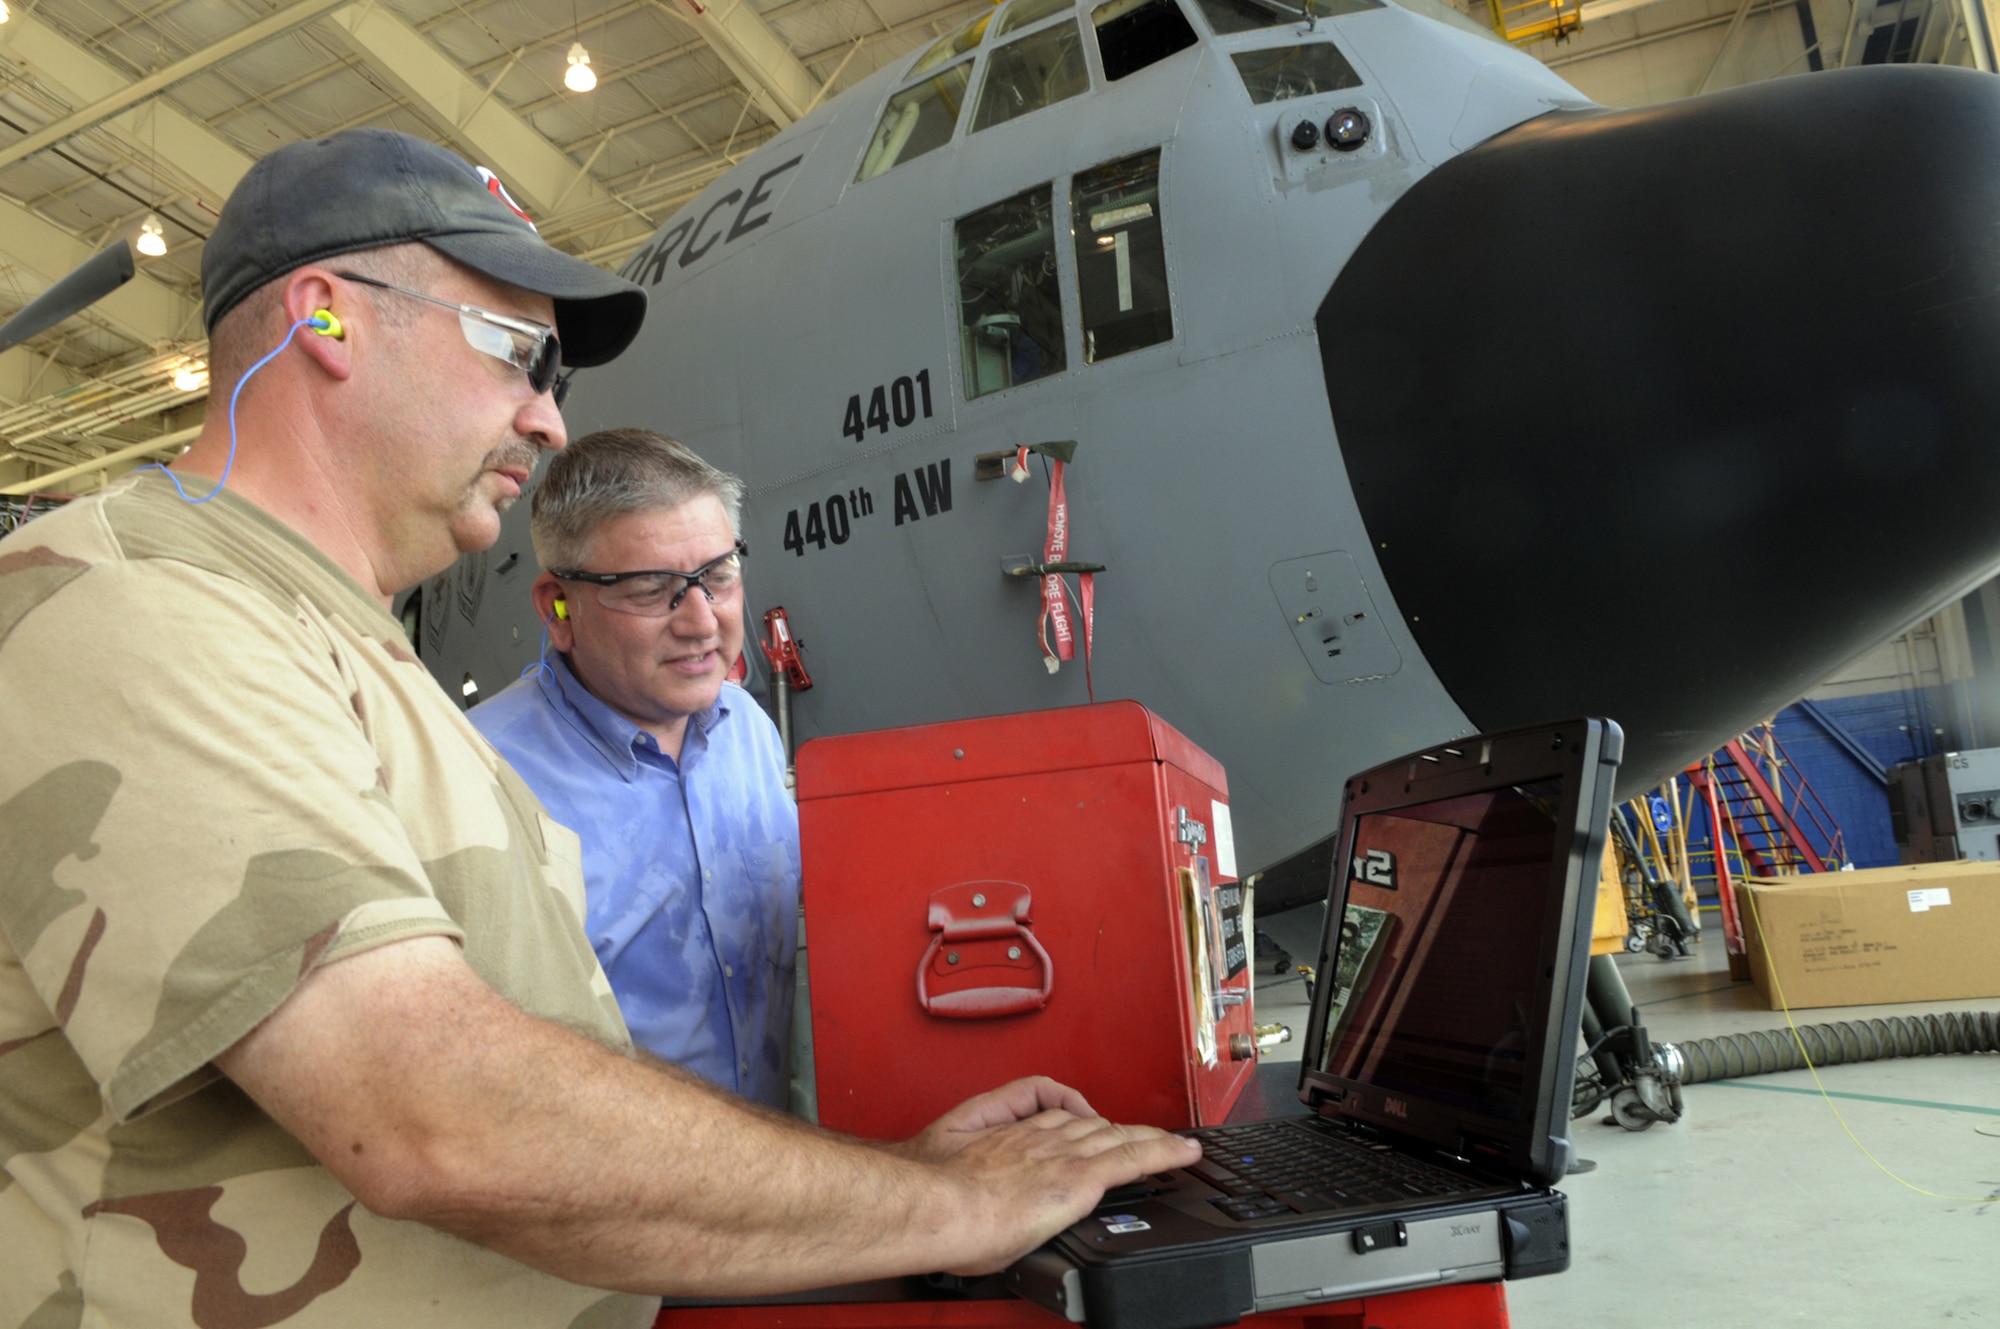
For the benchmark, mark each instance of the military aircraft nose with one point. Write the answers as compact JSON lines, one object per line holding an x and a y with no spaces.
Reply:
{"x":1666,"y":414}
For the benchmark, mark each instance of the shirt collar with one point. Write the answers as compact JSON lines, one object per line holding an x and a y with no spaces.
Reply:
{"x":612,"y":734}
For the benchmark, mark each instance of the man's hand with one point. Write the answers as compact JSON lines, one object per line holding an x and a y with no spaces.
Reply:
{"x":1032,"y":1158}
{"x":1015,"y":1101}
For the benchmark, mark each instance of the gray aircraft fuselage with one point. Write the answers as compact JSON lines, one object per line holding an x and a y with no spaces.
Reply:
{"x":1517,"y":408}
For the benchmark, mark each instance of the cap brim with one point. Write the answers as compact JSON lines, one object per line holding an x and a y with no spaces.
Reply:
{"x":598,"y":313}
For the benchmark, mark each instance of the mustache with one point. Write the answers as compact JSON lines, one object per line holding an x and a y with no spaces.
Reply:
{"x":514,"y":452}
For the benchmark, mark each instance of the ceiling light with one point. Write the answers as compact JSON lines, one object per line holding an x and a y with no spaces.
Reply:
{"x":152,"y":236}
{"x":191,"y":377}
{"x":581,"y":77}
{"x":4,"y":15}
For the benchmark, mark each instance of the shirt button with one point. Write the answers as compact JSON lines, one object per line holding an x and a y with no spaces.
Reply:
{"x":708,"y":876}
{"x":729,"y":971}
{"x":746,"y":1068}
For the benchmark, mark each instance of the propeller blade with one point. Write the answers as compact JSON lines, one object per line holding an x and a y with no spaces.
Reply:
{"x":100,"y":275}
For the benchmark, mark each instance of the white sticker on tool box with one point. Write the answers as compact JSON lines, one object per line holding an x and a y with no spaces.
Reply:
{"x":1225,"y":843}
{"x":1122,"y":1228}
{"x":1935,"y":897}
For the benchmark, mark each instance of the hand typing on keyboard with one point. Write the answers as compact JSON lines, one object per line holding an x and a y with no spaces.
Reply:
{"x":1029,"y":1159}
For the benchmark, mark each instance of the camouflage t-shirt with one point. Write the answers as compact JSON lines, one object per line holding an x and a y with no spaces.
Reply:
{"x":220,"y":767}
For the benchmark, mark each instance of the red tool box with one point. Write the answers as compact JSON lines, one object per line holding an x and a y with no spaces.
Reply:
{"x":1043,"y":894}
{"x":1459,"y":1306}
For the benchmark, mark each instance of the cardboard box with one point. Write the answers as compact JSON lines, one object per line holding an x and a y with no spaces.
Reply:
{"x":1918,"y":932}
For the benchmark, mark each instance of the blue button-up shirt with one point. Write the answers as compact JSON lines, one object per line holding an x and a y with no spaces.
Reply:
{"x":690,"y":867}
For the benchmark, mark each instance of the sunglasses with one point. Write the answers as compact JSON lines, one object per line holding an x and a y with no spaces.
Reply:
{"x":530,"y":347}
{"x":656,"y":593}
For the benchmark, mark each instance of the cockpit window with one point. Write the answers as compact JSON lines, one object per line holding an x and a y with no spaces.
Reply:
{"x":952,"y":44}
{"x":1038,"y":70}
{"x":1023,"y":12}
{"x":1227,"y":16}
{"x":1121,"y":258}
{"x":1009,"y":298}
{"x":1132,"y":34}
{"x":1284,"y":72}
{"x":917,"y":119}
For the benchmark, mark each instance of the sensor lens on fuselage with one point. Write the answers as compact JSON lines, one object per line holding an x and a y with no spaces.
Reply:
{"x":1347,"y":129}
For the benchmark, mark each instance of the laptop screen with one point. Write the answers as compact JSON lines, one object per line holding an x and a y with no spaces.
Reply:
{"x":1434,"y":985}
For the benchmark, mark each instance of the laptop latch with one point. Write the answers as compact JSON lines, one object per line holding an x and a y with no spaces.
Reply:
{"x":1377,"y":1236}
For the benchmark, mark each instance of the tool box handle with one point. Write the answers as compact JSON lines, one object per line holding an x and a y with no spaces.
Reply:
{"x":975,"y":911}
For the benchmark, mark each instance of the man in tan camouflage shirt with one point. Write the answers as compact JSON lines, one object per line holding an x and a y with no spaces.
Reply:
{"x":298,"y":1024}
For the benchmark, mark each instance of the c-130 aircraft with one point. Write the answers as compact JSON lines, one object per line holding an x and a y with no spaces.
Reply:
{"x":1412,"y":394}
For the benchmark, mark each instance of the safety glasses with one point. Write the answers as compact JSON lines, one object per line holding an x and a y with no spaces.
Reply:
{"x":530,"y":347}
{"x":658,"y":592}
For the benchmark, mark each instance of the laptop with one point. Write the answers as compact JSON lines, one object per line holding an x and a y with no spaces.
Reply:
{"x":1437,"y":1071}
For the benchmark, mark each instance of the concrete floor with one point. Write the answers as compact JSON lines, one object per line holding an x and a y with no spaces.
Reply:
{"x":1756,"y":1209}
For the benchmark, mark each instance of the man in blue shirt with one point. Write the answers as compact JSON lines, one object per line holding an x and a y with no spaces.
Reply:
{"x":673,"y":777}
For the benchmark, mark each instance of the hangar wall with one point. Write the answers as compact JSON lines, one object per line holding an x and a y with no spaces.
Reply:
{"x":1935,"y":688}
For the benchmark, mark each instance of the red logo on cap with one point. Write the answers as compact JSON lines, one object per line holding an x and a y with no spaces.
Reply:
{"x":499,"y":191}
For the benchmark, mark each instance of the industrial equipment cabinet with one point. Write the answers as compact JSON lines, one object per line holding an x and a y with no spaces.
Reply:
{"x":1947,"y":806}
{"x":1051,"y":893}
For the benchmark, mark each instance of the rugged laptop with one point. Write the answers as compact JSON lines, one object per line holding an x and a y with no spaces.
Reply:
{"x":1438,"y":1062}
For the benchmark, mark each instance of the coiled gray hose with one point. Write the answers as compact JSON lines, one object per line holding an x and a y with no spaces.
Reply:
{"x":1769,"y":1050}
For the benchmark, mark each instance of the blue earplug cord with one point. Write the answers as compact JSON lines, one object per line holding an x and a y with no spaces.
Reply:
{"x":325,"y":324}
{"x":541,"y":666}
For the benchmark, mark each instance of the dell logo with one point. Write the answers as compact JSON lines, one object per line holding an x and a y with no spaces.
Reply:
{"x":1396,"y":1107}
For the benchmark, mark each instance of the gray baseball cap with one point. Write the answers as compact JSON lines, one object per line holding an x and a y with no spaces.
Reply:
{"x":366,"y":188}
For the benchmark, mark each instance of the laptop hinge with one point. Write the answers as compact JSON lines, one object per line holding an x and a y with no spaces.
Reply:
{"x":1480,"y":1147}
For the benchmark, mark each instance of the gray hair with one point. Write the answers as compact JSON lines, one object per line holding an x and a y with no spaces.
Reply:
{"x":615,"y":472}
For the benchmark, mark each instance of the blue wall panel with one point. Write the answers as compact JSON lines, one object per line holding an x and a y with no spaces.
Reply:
{"x":1853,"y":796}
{"x":1894,"y":726}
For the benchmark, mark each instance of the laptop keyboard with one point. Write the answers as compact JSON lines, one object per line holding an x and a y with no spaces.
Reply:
{"x":1269,"y":1168}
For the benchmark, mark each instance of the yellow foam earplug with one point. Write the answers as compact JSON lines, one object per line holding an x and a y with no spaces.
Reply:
{"x":562,"y":608}
{"x":326,"y":324}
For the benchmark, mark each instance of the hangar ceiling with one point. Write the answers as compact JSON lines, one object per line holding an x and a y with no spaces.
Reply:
{"x":116,"y":111}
